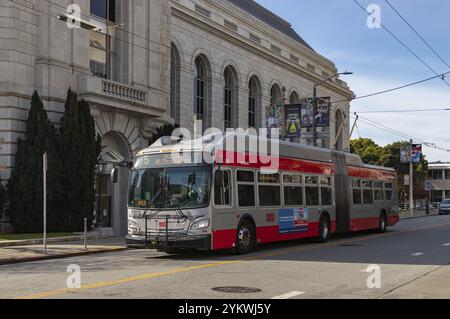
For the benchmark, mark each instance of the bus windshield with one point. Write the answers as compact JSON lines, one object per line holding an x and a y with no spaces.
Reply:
{"x":170,"y":188}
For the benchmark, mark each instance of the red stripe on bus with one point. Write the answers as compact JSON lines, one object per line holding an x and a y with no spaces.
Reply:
{"x":368,"y":173}
{"x":245,"y":160}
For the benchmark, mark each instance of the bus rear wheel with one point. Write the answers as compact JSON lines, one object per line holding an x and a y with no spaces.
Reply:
{"x":383,"y":223}
{"x":245,"y":238}
{"x":324,"y":230}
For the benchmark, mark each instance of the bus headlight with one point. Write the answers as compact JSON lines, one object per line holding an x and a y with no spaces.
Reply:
{"x":203,"y":224}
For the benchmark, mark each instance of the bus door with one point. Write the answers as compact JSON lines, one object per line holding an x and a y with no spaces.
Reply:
{"x":342,"y":193}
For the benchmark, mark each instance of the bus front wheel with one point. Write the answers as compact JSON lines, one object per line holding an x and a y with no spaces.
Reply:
{"x":245,"y":237}
{"x":324,"y":229}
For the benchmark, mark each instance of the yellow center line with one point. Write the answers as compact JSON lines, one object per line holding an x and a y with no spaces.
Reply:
{"x":59,"y":292}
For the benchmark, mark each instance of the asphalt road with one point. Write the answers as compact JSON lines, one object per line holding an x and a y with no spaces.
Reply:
{"x":413,"y":259}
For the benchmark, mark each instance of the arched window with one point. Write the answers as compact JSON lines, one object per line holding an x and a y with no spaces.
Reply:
{"x":275,"y":95}
{"x":175,"y":84}
{"x":253,"y":102}
{"x":228,"y":99}
{"x":200,"y":88}
{"x":294,"y":99}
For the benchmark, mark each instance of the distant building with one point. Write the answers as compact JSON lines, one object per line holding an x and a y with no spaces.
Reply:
{"x":439,"y":175}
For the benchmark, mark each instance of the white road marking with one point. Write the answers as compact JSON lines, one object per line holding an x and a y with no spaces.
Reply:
{"x":289,"y":295}
{"x":446,"y":245}
{"x":417,"y":254}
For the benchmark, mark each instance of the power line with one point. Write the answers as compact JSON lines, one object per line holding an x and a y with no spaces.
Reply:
{"x":443,"y":75}
{"x":405,"y":111}
{"x":401,"y":134}
{"x":417,"y":33}
{"x":401,"y":42}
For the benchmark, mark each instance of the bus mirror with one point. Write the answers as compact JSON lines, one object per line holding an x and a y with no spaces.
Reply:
{"x":115,"y":175}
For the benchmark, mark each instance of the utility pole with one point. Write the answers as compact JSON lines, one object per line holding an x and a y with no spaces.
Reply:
{"x":411,"y":180}
{"x":315,"y":106}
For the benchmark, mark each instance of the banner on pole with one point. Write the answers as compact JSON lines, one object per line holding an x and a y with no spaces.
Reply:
{"x":405,"y":153}
{"x":293,"y":120}
{"x":416,"y":153}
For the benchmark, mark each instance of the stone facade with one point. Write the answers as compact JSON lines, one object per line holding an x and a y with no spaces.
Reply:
{"x":151,"y":40}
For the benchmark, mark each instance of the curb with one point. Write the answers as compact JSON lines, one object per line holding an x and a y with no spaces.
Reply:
{"x":12,"y":261}
{"x":421,"y":216}
{"x":29,"y":242}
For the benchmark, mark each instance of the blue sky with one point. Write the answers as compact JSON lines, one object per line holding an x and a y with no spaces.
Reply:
{"x":338,"y":30}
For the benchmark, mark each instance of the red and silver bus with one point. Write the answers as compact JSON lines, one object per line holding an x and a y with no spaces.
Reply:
{"x":232,"y":202}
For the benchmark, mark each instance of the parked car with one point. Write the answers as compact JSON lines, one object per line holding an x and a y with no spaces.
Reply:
{"x":444,"y":208}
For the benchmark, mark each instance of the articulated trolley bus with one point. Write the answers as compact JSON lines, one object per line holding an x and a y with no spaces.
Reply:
{"x":233,"y":202}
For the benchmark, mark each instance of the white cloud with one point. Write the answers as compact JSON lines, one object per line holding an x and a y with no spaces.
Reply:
{"x":433,"y":127}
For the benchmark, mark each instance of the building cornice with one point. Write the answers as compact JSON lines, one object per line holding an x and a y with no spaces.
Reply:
{"x":200,"y":21}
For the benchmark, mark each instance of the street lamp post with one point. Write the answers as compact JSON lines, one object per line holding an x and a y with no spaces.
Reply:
{"x":100,"y":170}
{"x":316,"y":103}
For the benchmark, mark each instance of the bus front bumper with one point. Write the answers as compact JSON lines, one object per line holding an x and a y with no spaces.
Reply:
{"x":160,"y":243}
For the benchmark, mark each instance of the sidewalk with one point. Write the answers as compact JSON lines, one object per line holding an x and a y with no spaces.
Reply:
{"x":432,"y":286}
{"x":29,"y":253}
{"x":418,"y":214}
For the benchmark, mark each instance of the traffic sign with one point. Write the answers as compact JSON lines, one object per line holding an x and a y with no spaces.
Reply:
{"x":428,"y":186}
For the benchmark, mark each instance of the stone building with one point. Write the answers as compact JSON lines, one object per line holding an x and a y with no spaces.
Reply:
{"x":141,"y":64}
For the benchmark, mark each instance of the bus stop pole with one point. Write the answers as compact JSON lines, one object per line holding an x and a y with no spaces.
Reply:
{"x":411,"y":180}
{"x":85,"y":233}
{"x":44,"y":172}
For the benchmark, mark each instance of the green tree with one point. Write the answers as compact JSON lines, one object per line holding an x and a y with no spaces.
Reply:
{"x":165,"y":130}
{"x":79,"y":149}
{"x":420,"y":170}
{"x":2,"y":198}
{"x":25,"y":186}
{"x":369,"y":151}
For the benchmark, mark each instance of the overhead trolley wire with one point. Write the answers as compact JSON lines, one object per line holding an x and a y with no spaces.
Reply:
{"x":401,"y":42}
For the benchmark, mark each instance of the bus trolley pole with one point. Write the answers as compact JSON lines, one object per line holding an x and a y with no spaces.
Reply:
{"x":44,"y":172}
{"x":411,"y":179}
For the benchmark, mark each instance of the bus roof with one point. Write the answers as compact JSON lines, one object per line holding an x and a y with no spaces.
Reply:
{"x":215,"y":142}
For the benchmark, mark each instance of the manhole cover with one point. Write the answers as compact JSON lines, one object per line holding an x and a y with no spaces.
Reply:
{"x":237,"y":290}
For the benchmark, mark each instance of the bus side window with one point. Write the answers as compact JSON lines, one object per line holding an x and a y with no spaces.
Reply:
{"x":312,"y":190}
{"x":326,"y":191}
{"x":222,"y":188}
{"x":269,"y":188}
{"x":367,"y":192}
{"x":389,"y":191}
{"x":378,"y":191}
{"x":293,"y":189}
{"x":246,"y":188}
{"x":357,"y":193}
